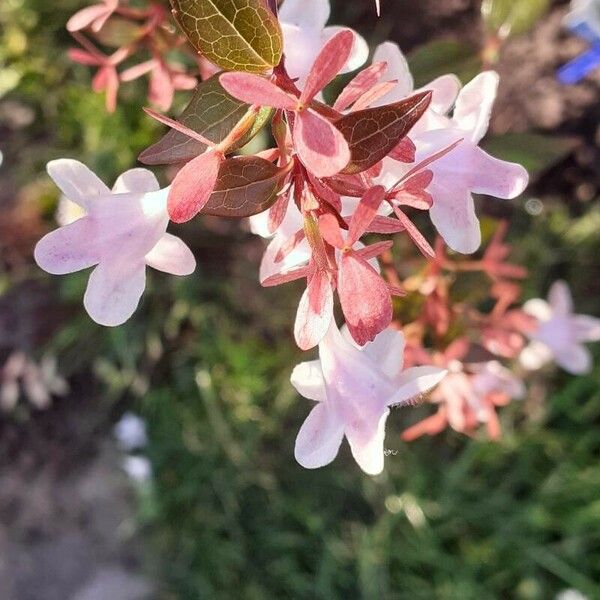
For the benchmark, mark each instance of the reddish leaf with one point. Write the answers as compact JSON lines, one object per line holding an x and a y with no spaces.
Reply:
{"x":193,"y":185}
{"x":372,"y":95}
{"x":374,"y":132}
{"x":246,"y":186}
{"x":253,"y":89}
{"x":415,"y":235}
{"x":405,"y":151}
{"x":374,"y":250}
{"x":330,"y":230}
{"x":364,"y":297}
{"x":365,"y":213}
{"x":363,"y":82}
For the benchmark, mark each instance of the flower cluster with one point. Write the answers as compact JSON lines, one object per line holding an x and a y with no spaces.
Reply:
{"x":341,"y":183}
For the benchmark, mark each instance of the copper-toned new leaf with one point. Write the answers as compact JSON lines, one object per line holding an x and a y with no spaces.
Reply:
{"x":246,"y":186}
{"x":213,"y":113}
{"x":374,"y":132}
{"x":236,"y":35}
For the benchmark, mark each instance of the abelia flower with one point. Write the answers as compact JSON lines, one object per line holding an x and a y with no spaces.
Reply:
{"x":467,"y":168}
{"x":354,"y":389}
{"x":94,"y":16}
{"x":560,"y":333}
{"x":305,"y":32}
{"x":122,"y":232}
{"x":320,"y":146}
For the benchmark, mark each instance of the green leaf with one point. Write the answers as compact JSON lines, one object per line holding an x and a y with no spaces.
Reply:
{"x":536,"y":152}
{"x":247,"y":185}
{"x":512,"y":17}
{"x":442,"y":57}
{"x":118,"y":32}
{"x":236,"y":35}
{"x":374,"y":132}
{"x":211,"y":112}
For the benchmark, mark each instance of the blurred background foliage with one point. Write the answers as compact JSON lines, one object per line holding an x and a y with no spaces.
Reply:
{"x":206,"y":360}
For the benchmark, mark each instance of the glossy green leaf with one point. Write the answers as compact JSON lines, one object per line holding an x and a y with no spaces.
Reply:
{"x":536,"y":152}
{"x":442,"y":57}
{"x":512,"y":17}
{"x":236,"y":35}
{"x":211,"y":112}
{"x":374,"y":132}
{"x":247,"y":185}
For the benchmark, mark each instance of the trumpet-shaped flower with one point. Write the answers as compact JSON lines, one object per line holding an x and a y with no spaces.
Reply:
{"x":467,"y":169}
{"x":123,"y":230}
{"x":305,"y":32}
{"x":560,"y":333}
{"x":354,"y":389}
{"x":320,"y":146}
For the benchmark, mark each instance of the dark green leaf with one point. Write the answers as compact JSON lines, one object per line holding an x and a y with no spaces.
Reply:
{"x":247,"y":185}
{"x":236,"y":35}
{"x":213,"y":113}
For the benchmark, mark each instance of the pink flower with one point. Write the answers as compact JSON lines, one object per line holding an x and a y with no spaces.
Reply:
{"x":305,"y":32}
{"x":354,"y":389}
{"x":123,"y":230}
{"x":320,"y":146}
{"x":94,"y":16}
{"x":560,"y":333}
{"x":467,"y":168}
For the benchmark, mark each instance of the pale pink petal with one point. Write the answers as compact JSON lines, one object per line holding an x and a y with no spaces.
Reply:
{"x":69,"y":248}
{"x":314,"y":18}
{"x":387,"y":352}
{"x":414,"y":382}
{"x":161,"y":90}
{"x":315,"y":311}
{"x":360,"y":49}
{"x":254,"y":89}
{"x":364,"y":297}
{"x":367,"y":446}
{"x":114,"y":291}
{"x":319,"y":438}
{"x":83,"y":57}
{"x":474,"y":104}
{"x":496,"y":177}
{"x":328,"y":64}
{"x":136,"y":181}
{"x":575,"y":359}
{"x":171,"y":255}
{"x":390,"y":53}
{"x":193,"y":186}
{"x":321,"y":147}
{"x":307,"y":378}
{"x":587,"y":328}
{"x":76,"y":181}
{"x":445,"y":91}
{"x":270,"y":267}
{"x":138,"y":70}
{"x":86,"y":16}
{"x":560,"y":298}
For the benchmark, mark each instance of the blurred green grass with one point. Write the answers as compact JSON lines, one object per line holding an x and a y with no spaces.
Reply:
{"x":207,"y":360}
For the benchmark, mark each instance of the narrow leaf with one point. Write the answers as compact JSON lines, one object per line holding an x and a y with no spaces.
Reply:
{"x":236,"y":35}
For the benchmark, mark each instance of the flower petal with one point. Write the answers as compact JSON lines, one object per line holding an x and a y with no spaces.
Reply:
{"x":398,"y":69}
{"x":171,"y":255}
{"x":136,"y":181}
{"x":114,"y":291}
{"x":322,"y":148}
{"x":254,"y":89}
{"x":295,"y":12}
{"x":78,"y":183}
{"x":193,"y":186}
{"x":319,"y":438}
{"x":560,"y":298}
{"x":307,"y":378}
{"x":445,"y":91}
{"x":538,"y":308}
{"x":364,"y":297}
{"x":474,"y":104}
{"x":86,"y":16}
{"x":587,"y":328}
{"x":387,"y":351}
{"x":575,"y":359}
{"x":367,"y":447}
{"x":360,"y":49}
{"x":69,"y":248}
{"x":414,"y":382}
{"x":315,"y":311}
{"x":535,"y":355}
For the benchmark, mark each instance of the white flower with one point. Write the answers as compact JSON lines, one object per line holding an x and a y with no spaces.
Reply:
{"x":130,"y":432}
{"x":560,"y":333}
{"x":354,"y":388}
{"x":123,"y":230}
